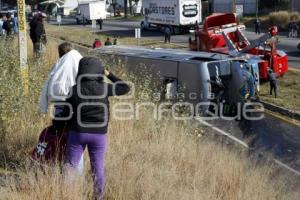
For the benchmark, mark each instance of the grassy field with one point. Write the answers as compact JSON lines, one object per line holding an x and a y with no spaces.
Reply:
{"x":87,"y":36}
{"x":289,"y":93}
{"x":146,"y":159}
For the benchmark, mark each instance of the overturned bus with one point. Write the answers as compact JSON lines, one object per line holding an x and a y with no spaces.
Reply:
{"x":193,"y":77}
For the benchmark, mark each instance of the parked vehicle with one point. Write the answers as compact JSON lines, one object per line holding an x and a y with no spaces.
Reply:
{"x":178,"y":15}
{"x":5,"y":12}
{"x":221,"y":33}
{"x":89,"y":11}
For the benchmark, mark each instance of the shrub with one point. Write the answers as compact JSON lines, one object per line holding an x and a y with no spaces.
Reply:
{"x":281,"y":18}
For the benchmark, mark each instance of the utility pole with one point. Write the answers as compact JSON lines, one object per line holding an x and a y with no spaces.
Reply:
{"x":23,"y":45}
{"x":234,"y":6}
{"x":256,"y":9}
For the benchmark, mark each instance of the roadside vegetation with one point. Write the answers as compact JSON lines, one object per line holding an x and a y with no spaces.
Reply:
{"x":280,"y":19}
{"x":146,"y":159}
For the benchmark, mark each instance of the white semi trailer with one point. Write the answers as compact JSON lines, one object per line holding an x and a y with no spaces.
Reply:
{"x":179,"y":15}
{"x":92,"y":10}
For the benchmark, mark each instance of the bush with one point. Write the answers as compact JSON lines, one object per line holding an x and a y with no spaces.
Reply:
{"x":295,"y":16}
{"x":19,"y":117}
{"x":283,"y":18}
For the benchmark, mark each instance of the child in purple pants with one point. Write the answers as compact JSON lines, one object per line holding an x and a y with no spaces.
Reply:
{"x":88,"y":125}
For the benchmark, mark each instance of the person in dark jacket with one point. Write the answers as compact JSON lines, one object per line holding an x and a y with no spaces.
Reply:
{"x":295,"y":29}
{"x":100,"y":22}
{"x":257,"y":26}
{"x":290,"y":27}
{"x":8,"y":26}
{"x":167,"y":34}
{"x":88,"y":125}
{"x":38,"y":34}
{"x":107,"y":42}
{"x":273,"y":82}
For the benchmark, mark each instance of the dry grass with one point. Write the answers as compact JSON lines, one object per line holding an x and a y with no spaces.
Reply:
{"x":289,"y":93}
{"x":159,"y":160}
{"x":146,"y":159}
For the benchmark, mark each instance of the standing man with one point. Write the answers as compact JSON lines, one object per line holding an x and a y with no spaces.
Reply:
{"x":83,"y":20}
{"x":257,"y":26}
{"x":8,"y":25}
{"x":100,"y":22}
{"x":167,"y":34}
{"x":38,"y":34}
{"x":273,"y":82}
{"x":295,"y":29}
{"x":290,"y":27}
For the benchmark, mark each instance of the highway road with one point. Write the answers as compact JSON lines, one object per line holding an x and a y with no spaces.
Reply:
{"x":125,"y":28}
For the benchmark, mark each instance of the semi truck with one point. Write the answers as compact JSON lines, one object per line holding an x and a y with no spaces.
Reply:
{"x":92,"y":10}
{"x":178,"y":15}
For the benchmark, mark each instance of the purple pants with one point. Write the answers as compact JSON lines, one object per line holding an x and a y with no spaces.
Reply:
{"x":96,"y":144}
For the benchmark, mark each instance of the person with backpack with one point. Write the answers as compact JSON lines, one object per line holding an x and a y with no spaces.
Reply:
{"x":89,"y":123}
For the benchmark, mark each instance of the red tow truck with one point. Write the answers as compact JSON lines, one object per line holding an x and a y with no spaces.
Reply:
{"x":221,"y":33}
